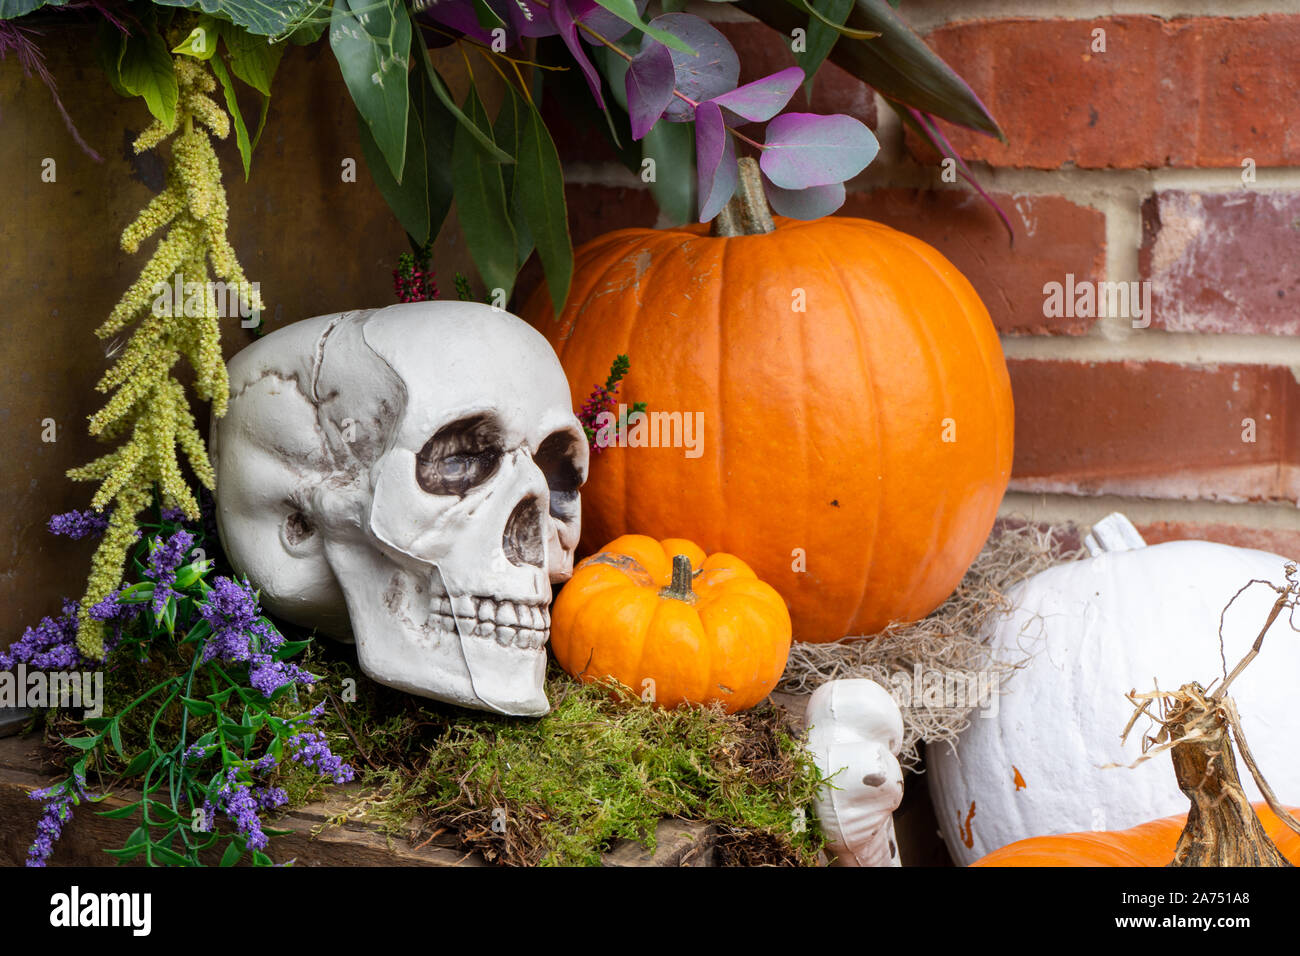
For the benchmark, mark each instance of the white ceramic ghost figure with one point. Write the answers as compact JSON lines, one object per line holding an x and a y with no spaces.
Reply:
{"x":855,"y":731}
{"x":408,"y":477}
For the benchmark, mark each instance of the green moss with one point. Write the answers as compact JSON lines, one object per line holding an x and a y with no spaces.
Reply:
{"x":600,"y":766}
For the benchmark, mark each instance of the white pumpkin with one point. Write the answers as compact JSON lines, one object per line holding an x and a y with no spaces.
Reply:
{"x":855,"y":731}
{"x":1130,"y":617}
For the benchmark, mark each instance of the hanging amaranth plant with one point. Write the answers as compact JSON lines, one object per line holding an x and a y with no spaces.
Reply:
{"x":149,"y":404}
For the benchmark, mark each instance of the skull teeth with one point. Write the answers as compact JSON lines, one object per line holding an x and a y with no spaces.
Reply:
{"x":509,"y":623}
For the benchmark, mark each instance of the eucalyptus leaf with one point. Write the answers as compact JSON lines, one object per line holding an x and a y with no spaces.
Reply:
{"x":481,"y":203}
{"x":372,"y":43}
{"x":821,"y":36}
{"x":482,"y":139}
{"x":813,"y":202}
{"x":539,"y":184}
{"x":716,"y":167}
{"x":508,"y":133}
{"x":648,"y":87}
{"x":626,"y":10}
{"x":711,"y":70}
{"x":806,"y":149}
{"x":672,"y":147}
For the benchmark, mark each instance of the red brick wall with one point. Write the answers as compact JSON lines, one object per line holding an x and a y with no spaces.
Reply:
{"x":1128,"y":164}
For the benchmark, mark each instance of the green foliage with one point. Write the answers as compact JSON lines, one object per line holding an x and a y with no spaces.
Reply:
{"x":372,"y":43}
{"x":277,"y":20}
{"x":482,"y":204}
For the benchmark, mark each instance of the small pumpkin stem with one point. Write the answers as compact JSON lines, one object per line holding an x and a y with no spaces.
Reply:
{"x":1222,"y":828}
{"x":746,"y":213}
{"x":680,"y":588}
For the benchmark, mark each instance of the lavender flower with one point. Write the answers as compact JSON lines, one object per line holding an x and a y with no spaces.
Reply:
{"x":78,"y":524}
{"x":164,"y":560}
{"x":270,"y":798}
{"x":173,"y":515}
{"x":60,"y":799}
{"x":50,"y":645}
{"x":240,"y":806}
{"x":240,"y":635}
{"x":312,"y":750}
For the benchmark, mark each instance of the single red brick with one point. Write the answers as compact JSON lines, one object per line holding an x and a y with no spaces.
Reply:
{"x":1156,"y":429}
{"x":764,"y":51}
{"x":1053,"y":238}
{"x":1194,"y":91}
{"x":1223,"y":262}
{"x":1283,"y":541}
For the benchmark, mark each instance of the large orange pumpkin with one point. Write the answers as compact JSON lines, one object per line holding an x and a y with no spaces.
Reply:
{"x":701,"y":627}
{"x":1150,"y":844}
{"x":856,"y":409}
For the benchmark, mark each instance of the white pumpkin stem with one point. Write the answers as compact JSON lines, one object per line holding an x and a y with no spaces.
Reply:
{"x":746,"y":213}
{"x":1113,"y":533}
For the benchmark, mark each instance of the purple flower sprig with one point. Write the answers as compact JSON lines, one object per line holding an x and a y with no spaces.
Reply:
{"x":241,"y":635}
{"x":79,"y":524}
{"x":312,"y":750}
{"x":59,"y":801}
{"x":165,"y":560}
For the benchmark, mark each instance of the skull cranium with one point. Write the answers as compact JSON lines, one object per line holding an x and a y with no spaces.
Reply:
{"x":408,"y":476}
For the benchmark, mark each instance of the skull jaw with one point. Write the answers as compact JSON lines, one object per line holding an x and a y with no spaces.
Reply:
{"x":470,"y":672}
{"x":399,"y":644}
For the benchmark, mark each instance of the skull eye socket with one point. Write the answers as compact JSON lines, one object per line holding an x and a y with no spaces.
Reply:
{"x":459,"y":457}
{"x":556,"y":458}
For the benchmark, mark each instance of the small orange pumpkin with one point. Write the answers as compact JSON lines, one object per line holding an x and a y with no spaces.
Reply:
{"x":1149,"y":844}
{"x":702,"y":628}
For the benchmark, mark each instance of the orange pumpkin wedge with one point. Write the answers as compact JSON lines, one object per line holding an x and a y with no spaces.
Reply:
{"x":672,"y":623}
{"x":1148,"y":844}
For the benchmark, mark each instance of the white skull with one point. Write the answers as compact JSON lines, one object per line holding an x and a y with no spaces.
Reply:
{"x":408,"y":477}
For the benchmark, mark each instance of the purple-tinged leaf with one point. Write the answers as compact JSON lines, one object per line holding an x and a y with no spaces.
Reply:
{"x":568,"y":28}
{"x":459,"y":17}
{"x":715,"y":159}
{"x":929,"y":127}
{"x":805,"y":149}
{"x":527,"y":17}
{"x":649,"y":82}
{"x":609,"y":25}
{"x":759,"y":101}
{"x":811,"y":203}
{"x":711,"y":71}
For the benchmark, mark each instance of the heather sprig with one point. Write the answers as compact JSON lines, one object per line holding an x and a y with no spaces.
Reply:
{"x":602,"y":399}
{"x":414,"y":278}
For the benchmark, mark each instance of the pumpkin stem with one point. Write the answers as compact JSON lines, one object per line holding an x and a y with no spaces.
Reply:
{"x":1222,"y":828}
{"x":680,"y":588}
{"x":746,"y":213}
